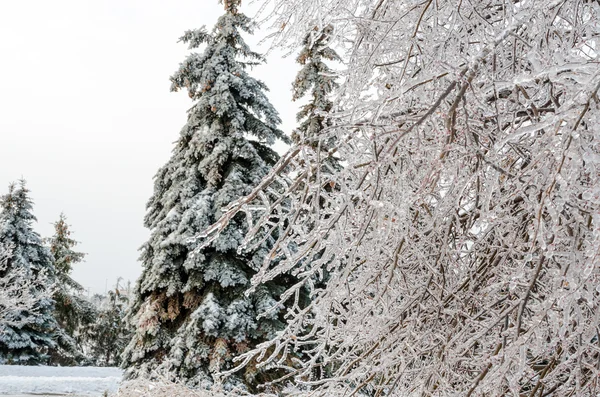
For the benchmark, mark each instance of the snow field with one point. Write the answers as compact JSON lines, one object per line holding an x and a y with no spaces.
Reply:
{"x":40,"y":380}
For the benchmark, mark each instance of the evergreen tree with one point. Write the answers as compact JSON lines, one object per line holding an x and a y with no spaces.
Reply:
{"x":32,"y":332}
{"x":107,"y":336}
{"x":317,"y":79}
{"x":71,"y":311}
{"x":189,"y":309}
{"x":61,"y":246}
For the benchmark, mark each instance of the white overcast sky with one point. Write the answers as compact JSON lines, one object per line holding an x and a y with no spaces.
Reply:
{"x":86,"y":116}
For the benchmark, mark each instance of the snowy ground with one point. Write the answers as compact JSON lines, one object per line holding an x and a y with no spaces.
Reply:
{"x":41,"y":381}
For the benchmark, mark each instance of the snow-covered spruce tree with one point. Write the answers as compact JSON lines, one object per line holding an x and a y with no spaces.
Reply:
{"x":462,"y":237}
{"x":71,"y":311}
{"x":189,"y":310}
{"x":31,"y":331}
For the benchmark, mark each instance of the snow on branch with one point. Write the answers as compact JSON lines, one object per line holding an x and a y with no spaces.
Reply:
{"x":18,"y":293}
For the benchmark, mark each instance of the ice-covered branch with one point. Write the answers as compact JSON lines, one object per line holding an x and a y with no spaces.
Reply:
{"x":456,"y":252}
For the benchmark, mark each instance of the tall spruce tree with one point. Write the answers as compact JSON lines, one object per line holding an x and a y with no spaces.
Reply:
{"x":71,"y":311}
{"x":189,"y":309}
{"x":27,"y":339}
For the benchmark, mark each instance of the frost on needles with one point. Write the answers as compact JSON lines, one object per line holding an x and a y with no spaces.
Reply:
{"x":190,"y":310}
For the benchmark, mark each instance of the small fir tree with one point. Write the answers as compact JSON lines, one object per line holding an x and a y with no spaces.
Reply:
{"x":71,"y":311}
{"x":27,"y":339}
{"x":107,"y":336}
{"x":189,"y":309}
{"x":61,"y":246}
{"x":317,"y":79}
